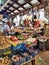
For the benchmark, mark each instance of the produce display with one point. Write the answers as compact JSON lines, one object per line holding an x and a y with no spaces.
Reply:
{"x":20,"y":44}
{"x":13,"y":38}
{"x":26,"y":35}
{"x":27,"y":55}
{"x":17,"y":43}
{"x":32,"y":40}
{"x":4,"y":43}
{"x":16,"y":58}
{"x":21,"y":58}
{"x":47,"y":31}
{"x":21,"y":37}
{"x":5,"y":61}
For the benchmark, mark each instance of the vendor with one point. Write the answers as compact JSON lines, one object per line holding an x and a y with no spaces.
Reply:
{"x":6,"y":28}
{"x":36,"y":22}
{"x":26,"y":22}
{"x":30,"y":23}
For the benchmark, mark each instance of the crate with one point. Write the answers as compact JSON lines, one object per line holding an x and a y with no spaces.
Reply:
{"x":23,"y":60}
{"x":30,"y":62}
{"x":27,"y":57}
{"x":33,"y":61}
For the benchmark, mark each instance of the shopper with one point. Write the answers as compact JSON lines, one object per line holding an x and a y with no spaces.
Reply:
{"x":6,"y":28}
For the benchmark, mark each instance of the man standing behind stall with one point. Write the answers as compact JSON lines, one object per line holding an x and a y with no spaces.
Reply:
{"x":36,"y":21}
{"x":6,"y":28}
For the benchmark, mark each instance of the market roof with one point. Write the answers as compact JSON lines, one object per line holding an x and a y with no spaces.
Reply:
{"x":15,"y":7}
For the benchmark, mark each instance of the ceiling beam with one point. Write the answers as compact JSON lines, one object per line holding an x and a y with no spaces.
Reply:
{"x":28,"y":1}
{"x":20,"y":5}
{"x":15,"y":1}
{"x":40,"y":1}
{"x":38,"y":6}
{"x":14,"y":8}
{"x":6,"y":8}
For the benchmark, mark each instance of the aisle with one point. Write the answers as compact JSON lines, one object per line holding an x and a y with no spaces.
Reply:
{"x":45,"y":57}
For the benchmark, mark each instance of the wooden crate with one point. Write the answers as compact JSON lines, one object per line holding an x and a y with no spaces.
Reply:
{"x":30,"y":62}
{"x":34,"y":61}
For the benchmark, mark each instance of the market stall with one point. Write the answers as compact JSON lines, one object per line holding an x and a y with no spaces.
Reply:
{"x":24,"y":32}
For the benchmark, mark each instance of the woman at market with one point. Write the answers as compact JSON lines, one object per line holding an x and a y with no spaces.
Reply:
{"x":6,"y":28}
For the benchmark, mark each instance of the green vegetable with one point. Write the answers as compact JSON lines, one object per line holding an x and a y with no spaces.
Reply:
{"x":28,"y":42}
{"x":20,"y":37}
{"x":40,"y":60}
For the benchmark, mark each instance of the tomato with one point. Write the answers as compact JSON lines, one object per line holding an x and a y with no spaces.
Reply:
{"x":14,"y":38}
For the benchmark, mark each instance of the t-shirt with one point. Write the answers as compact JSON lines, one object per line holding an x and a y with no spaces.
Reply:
{"x":5,"y":29}
{"x":37,"y":23}
{"x":26,"y":22}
